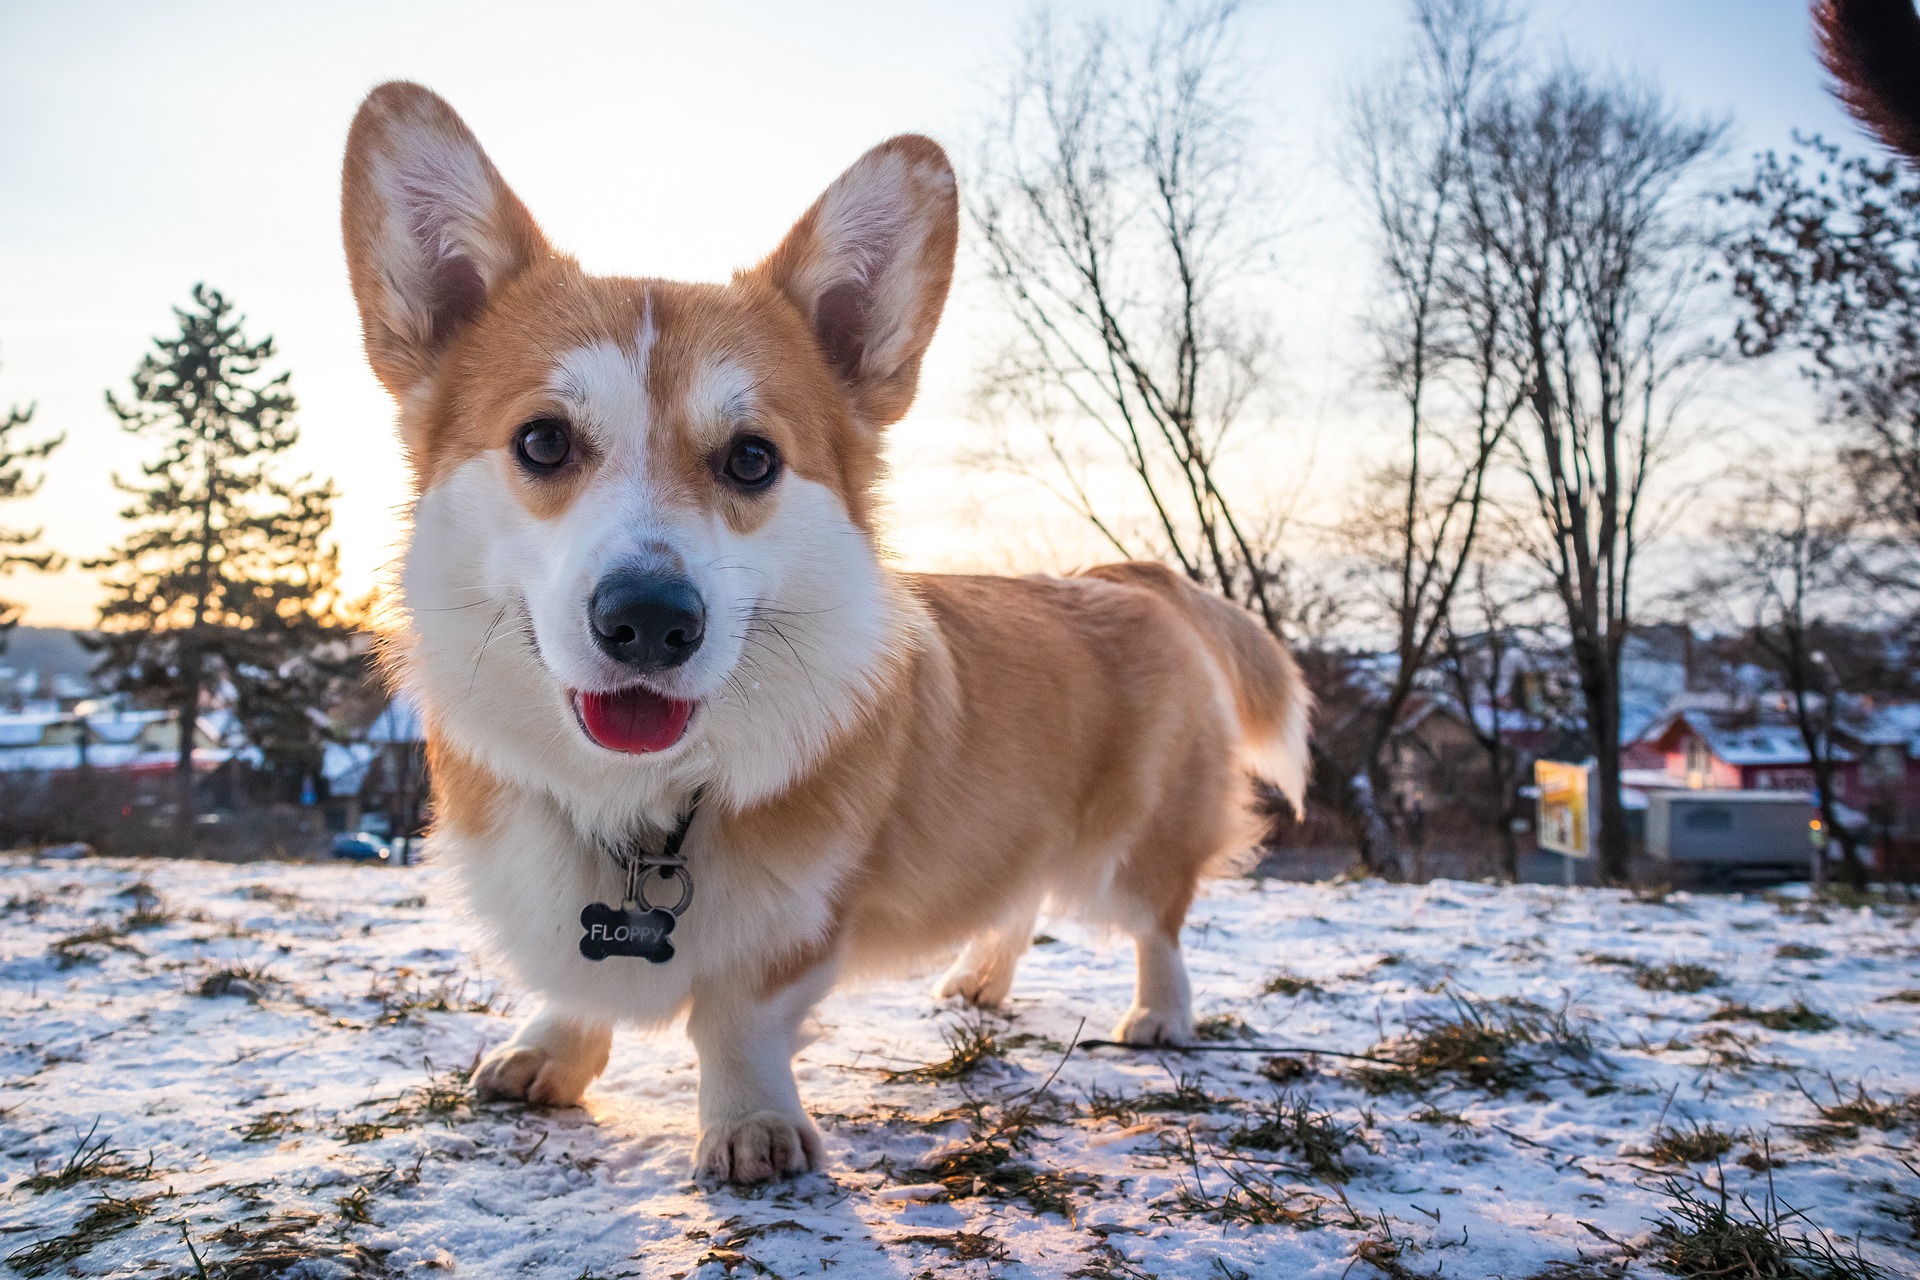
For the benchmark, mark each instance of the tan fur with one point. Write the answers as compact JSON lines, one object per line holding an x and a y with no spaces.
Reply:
{"x":464,"y":792}
{"x":1270,"y":697}
{"x":1080,"y":743}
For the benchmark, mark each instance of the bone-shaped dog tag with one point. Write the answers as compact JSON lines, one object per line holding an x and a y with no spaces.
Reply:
{"x":630,"y":931}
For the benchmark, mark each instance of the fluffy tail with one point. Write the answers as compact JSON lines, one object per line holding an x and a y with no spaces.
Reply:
{"x":1872,"y":48}
{"x":1270,"y":696}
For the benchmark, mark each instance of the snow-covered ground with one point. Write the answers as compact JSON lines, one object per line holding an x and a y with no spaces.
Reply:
{"x":311,"y":1120}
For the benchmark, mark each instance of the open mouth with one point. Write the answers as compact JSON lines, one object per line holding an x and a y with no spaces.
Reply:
{"x":636,"y":721}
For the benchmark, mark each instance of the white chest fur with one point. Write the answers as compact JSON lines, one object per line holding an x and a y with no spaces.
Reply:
{"x":526,"y":881}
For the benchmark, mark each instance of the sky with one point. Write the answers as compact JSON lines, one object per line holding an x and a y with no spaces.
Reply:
{"x":145,"y":148}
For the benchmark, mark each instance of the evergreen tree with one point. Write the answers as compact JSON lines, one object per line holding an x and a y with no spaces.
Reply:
{"x":14,"y":483}
{"x":224,"y":585}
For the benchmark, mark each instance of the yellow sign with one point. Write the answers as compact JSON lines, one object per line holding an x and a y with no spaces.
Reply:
{"x":1564,"y":826}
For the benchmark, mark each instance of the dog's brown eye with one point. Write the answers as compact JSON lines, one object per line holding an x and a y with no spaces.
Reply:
{"x":751,"y":462}
{"x":543,"y":445}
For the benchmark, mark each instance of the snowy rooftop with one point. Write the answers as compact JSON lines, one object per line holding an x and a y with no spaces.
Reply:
{"x":1764,"y":744}
{"x":316,"y":1110}
{"x":1896,"y":725}
{"x":1761,"y":744}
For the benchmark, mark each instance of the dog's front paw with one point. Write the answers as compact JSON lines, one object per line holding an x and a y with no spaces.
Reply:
{"x":756,"y":1147}
{"x":1154,"y":1026}
{"x":525,"y":1072}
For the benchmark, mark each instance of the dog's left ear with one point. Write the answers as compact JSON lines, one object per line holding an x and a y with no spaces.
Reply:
{"x":869,"y":267}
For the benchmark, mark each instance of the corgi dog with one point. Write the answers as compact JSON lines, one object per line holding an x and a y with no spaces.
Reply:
{"x":697,"y":749}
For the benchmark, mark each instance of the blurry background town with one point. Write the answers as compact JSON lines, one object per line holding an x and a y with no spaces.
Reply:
{"x":1547,"y":378}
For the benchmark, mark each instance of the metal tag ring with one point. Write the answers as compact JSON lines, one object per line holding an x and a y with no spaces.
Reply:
{"x":675,"y":871}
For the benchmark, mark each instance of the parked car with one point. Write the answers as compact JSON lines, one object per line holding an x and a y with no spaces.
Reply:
{"x":358,"y":846}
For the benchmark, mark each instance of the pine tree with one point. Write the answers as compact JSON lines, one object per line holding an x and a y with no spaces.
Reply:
{"x":224,"y":584}
{"x":15,"y":544}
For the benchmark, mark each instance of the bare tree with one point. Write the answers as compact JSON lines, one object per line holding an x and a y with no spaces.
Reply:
{"x":1119,"y":213}
{"x":1482,"y":646}
{"x":1828,"y":265}
{"x":1792,"y":549}
{"x":1576,"y":199}
{"x":1415,"y":526}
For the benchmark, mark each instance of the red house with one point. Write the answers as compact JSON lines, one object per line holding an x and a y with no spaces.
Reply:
{"x":1697,"y":750}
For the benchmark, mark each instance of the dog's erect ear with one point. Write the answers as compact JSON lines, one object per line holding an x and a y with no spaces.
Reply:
{"x":431,"y":230}
{"x":869,"y":267}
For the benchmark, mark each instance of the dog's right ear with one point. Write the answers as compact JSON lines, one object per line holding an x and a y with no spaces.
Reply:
{"x":431,"y":230}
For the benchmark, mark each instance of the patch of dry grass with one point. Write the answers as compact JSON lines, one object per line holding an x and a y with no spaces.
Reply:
{"x":1288,"y":983}
{"x":93,"y":1159}
{"x":1284,"y":1069}
{"x":1715,"y":1237}
{"x":1794,"y":1017}
{"x":1492,"y":1045}
{"x":962,"y":1246}
{"x":992,"y":1162}
{"x":290,"y":1244}
{"x":1679,"y":976}
{"x":147,"y":913}
{"x":284,"y":899}
{"x":402,"y":998}
{"x":1186,"y":1097}
{"x":1696,"y":1144}
{"x":249,"y":982}
{"x":971,"y":1045}
{"x":1842,"y":1119}
{"x":1862,"y":1108}
{"x":106,"y":1218}
{"x":1240,"y":1193}
{"x":90,"y":946}
{"x":1289,"y":1123}
{"x":269,"y":1125}
{"x":1217,"y":1028}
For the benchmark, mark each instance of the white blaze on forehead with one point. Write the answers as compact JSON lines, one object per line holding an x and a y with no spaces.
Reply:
{"x":605,"y":388}
{"x":721,"y":395}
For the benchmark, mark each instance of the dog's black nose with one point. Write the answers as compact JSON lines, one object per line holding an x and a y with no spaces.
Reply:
{"x":648,"y":621}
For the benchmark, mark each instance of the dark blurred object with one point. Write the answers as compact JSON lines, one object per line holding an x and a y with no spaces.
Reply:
{"x":1284,"y":1069}
{"x":1872,"y":47}
{"x":358,"y":846}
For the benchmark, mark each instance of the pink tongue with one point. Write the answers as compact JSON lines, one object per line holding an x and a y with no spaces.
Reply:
{"x":634,"y":720}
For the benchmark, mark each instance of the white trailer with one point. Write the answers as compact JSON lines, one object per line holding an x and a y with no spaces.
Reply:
{"x":1723,"y":837}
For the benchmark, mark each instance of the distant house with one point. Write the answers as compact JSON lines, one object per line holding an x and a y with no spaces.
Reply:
{"x":1699,"y":749}
{"x":1435,"y":759}
{"x":42,"y":690}
{"x":379,"y":781}
{"x":47,"y":741}
{"x":1886,"y":780}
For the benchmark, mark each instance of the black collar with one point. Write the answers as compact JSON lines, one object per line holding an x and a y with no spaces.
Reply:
{"x":635,"y":853}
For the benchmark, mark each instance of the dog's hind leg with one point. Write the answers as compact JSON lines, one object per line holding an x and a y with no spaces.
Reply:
{"x":551,"y":1060}
{"x":1197,"y":828}
{"x":1149,"y":901}
{"x":982,"y":975}
{"x":1162,"y":1011}
{"x":752,"y":1125}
